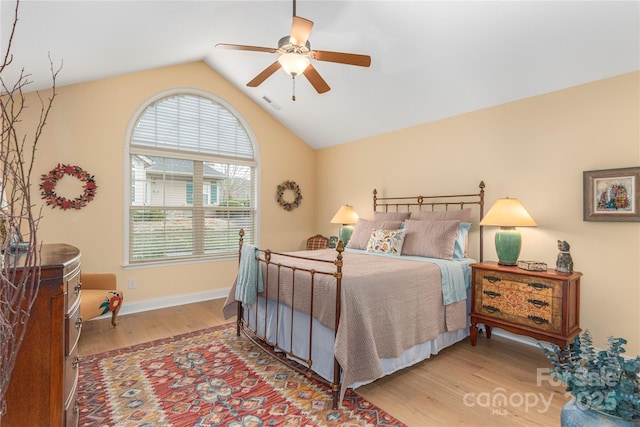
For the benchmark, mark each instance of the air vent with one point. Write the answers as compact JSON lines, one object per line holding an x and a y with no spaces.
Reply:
{"x":271,"y":102}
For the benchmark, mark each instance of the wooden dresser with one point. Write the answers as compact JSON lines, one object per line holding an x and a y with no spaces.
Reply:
{"x":544,"y":305}
{"x":43,"y":388}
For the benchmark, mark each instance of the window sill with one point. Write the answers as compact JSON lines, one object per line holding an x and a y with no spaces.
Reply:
{"x":185,"y":261}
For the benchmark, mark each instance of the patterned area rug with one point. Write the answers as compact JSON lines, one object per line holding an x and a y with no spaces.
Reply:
{"x":209,"y":378}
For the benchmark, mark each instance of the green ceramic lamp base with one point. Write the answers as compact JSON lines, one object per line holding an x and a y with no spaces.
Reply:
{"x":345,"y":233}
{"x":508,"y":243}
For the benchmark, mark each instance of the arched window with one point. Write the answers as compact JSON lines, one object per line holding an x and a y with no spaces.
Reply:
{"x":193,"y":185}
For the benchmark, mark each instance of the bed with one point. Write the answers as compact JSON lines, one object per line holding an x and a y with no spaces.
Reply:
{"x":396,"y":294}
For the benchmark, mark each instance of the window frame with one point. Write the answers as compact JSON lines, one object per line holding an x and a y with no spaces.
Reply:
{"x":127,"y":187}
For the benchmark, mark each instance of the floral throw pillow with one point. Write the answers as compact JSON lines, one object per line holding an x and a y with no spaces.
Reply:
{"x":386,"y":241}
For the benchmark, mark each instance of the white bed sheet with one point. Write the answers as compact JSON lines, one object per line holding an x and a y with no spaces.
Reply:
{"x":323,"y":339}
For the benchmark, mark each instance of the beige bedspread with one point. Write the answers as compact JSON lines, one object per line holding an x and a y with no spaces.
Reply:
{"x":388,"y":306}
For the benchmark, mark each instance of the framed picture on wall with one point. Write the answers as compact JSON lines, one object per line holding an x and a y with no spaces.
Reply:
{"x":612,"y":195}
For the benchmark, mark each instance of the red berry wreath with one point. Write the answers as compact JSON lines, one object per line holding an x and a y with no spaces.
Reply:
{"x":49,"y":182}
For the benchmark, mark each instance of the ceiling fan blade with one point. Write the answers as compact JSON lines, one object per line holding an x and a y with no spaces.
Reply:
{"x":316,"y":80}
{"x":300,"y":30}
{"x":243,"y":47}
{"x":342,"y":58}
{"x":266,"y":73}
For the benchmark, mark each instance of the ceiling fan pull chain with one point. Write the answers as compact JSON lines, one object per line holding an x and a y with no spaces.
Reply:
{"x":293,"y":96}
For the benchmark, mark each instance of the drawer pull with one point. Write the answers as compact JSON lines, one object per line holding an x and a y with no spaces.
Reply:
{"x":538,"y":286}
{"x":78,"y":322}
{"x":537,"y":319}
{"x":490,"y":308}
{"x":77,"y":287}
{"x":492,"y":294}
{"x":492,"y":279}
{"x":76,"y":362}
{"x":537,"y":303}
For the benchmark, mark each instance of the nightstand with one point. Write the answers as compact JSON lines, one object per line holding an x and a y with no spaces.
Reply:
{"x":544,"y":305}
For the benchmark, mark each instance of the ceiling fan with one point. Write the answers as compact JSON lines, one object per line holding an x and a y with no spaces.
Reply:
{"x":296,"y":55}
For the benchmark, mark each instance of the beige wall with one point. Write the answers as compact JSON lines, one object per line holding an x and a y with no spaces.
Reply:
{"x":536,"y":150}
{"x":88,"y":126}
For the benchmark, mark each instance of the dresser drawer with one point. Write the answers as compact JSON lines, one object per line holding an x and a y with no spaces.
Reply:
{"x":72,"y":409}
{"x":516,"y":299}
{"x":73,"y":327}
{"x":71,"y":370}
{"x":539,"y":286}
{"x":72,"y":286}
{"x":515,"y":307}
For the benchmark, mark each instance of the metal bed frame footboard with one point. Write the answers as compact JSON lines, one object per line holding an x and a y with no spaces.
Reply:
{"x":274,"y":348}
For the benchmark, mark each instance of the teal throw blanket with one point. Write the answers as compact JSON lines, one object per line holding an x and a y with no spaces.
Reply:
{"x":249,"y":281}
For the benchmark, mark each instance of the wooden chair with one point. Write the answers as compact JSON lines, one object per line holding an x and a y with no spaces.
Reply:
{"x":317,"y":242}
{"x":100,"y":296}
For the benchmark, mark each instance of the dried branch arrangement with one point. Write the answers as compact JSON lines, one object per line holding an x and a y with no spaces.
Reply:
{"x":19,"y":219}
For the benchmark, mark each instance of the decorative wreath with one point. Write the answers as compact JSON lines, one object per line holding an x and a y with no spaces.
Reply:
{"x":50,"y":180}
{"x":289,"y":185}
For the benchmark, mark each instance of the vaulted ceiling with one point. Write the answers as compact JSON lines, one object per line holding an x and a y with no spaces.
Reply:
{"x":430,"y":59}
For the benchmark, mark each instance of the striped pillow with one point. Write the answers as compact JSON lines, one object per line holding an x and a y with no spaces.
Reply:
{"x":431,"y":239}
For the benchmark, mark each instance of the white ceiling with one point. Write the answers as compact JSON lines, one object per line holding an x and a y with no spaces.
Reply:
{"x":430,"y":59}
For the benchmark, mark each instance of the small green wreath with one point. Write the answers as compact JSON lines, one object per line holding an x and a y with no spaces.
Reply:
{"x":50,"y":180}
{"x":282,"y":188}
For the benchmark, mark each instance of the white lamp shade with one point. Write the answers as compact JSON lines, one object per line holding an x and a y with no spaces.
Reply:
{"x":345,"y":215}
{"x":508,"y":213}
{"x":294,"y":63}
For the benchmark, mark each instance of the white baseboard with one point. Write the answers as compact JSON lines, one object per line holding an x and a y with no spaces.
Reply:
{"x":513,"y":337}
{"x":172,"y":301}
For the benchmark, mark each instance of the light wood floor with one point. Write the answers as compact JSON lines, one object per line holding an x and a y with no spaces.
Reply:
{"x":460,"y":386}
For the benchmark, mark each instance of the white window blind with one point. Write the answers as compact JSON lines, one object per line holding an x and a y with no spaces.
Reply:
{"x":192,"y":179}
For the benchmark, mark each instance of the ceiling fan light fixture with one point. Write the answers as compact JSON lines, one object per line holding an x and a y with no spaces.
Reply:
{"x":296,"y":55}
{"x":294,"y":63}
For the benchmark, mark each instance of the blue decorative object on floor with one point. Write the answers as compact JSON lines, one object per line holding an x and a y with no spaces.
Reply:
{"x":574,"y":415}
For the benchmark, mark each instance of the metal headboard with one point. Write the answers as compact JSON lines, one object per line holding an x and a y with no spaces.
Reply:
{"x":433,"y":203}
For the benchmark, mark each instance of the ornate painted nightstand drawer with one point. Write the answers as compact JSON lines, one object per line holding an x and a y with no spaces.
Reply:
{"x":517,"y":302}
{"x":518,"y":307}
{"x":522,"y":283}
{"x":514,"y":297}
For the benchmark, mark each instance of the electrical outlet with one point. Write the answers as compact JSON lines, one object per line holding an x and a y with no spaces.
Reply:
{"x":132,"y":283}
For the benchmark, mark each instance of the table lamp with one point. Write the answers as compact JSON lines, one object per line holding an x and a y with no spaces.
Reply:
{"x":508,"y":214}
{"x":346,"y":216}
